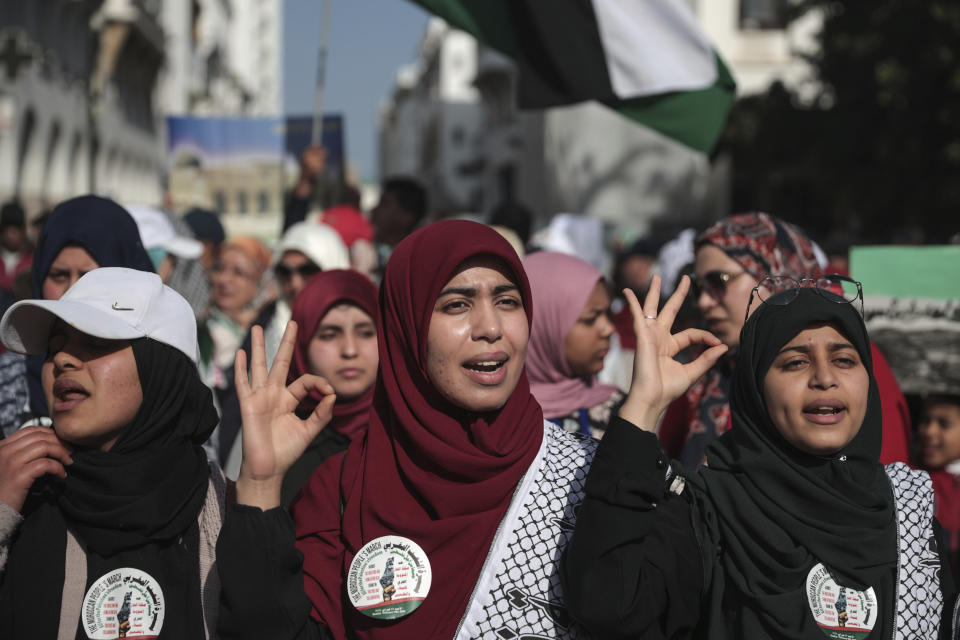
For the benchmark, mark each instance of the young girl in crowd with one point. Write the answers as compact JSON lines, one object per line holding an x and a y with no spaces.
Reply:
{"x":447,"y":519}
{"x":568,"y":342}
{"x":938,"y":434}
{"x":108,"y":521}
{"x":793,"y":529}
{"x":336,"y":340}
{"x":732,"y":256}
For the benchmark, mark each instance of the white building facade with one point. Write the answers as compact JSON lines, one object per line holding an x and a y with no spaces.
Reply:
{"x":224,"y":57}
{"x":430,"y":125}
{"x":586,"y":158}
{"x":77,"y":80}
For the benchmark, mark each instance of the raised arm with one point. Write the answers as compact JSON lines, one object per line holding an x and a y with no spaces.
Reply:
{"x":262,"y":594}
{"x":634,"y":565}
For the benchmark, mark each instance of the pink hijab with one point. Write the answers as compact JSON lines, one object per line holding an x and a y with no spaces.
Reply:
{"x":561,"y":285}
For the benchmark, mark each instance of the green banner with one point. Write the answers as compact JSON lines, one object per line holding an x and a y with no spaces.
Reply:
{"x":931,"y":272}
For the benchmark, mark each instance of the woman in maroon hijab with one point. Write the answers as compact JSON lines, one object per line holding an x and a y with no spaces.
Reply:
{"x":336,"y":314}
{"x":447,"y":518}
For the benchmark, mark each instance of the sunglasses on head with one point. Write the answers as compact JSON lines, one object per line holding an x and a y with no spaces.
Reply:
{"x":305,"y":271}
{"x":713,"y":283}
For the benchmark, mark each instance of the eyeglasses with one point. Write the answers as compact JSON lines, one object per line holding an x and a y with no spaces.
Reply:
{"x":847,"y":289}
{"x":305,"y":271}
{"x":713,"y":283}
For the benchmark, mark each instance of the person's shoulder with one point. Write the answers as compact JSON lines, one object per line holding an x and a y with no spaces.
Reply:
{"x":569,"y":444}
{"x":912,"y":488}
{"x":900,"y":473}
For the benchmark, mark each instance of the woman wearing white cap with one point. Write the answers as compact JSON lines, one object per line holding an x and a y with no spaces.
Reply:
{"x":118,"y":499}
{"x":306,"y":249}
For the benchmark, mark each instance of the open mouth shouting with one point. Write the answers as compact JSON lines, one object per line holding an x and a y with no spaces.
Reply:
{"x":825,"y":412}
{"x":487,"y":368}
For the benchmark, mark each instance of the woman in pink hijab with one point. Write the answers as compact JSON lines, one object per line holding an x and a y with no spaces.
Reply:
{"x":570,"y":337}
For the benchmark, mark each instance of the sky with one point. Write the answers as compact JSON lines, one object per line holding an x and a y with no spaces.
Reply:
{"x":368,"y":41}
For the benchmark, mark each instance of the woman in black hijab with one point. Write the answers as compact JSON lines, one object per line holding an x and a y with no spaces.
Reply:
{"x":108,"y":521}
{"x":794,"y":529}
{"x":81,"y":234}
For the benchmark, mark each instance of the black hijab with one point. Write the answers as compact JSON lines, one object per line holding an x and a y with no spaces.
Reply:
{"x":106,"y":231}
{"x":778,"y":511}
{"x":135,"y":505}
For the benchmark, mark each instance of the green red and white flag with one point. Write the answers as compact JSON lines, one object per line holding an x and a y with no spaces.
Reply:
{"x":648,"y":59}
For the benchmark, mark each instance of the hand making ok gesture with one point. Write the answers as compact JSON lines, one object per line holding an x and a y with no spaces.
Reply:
{"x":659,"y":379}
{"x":273,"y":436}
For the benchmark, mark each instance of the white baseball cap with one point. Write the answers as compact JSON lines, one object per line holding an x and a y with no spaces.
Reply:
{"x":319,"y":242}
{"x":156,"y":231}
{"x":113,"y":303}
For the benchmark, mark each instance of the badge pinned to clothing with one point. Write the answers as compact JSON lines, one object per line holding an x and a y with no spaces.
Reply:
{"x":389,"y":578}
{"x":124,"y":603}
{"x":841,"y":613}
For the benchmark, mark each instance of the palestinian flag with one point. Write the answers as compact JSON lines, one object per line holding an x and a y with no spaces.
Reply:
{"x":647,"y":59}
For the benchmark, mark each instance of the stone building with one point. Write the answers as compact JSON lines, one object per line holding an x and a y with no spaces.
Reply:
{"x":77,"y":80}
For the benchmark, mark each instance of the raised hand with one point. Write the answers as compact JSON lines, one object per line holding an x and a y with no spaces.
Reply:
{"x":273,"y":436}
{"x":658,"y":379}
{"x":24,"y":457}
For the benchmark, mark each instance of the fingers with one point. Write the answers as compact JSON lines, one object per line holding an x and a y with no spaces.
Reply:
{"x":636,"y":311}
{"x":306,"y":383}
{"x":281,"y":363}
{"x":37,"y":468}
{"x":258,"y":358}
{"x":704,"y":361}
{"x":31,"y":443}
{"x":672,"y":307}
{"x":320,"y":417}
{"x":24,"y":457}
{"x":695,"y":336}
{"x":652,"y":301}
{"x":240,"y":379}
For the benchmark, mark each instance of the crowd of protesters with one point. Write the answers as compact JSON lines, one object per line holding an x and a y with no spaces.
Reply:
{"x":384,"y":427}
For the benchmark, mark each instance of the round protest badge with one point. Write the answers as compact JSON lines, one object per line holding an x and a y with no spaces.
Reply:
{"x":125,"y":603}
{"x":840,"y":612}
{"x":388,"y":578}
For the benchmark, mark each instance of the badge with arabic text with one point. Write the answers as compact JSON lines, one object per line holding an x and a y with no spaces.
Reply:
{"x":840,"y":612}
{"x":124,"y":603}
{"x":388,"y":578}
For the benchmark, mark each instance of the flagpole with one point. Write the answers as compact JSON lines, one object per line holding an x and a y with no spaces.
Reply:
{"x":321,"y":74}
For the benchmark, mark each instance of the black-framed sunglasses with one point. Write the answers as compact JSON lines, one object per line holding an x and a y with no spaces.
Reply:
{"x":305,"y":271}
{"x":713,"y":283}
{"x":848,"y":289}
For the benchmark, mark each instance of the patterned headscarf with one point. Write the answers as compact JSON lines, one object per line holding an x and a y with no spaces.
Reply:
{"x":764,"y":245}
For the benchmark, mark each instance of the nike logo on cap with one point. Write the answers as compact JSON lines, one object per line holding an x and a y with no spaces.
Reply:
{"x":116,"y":307}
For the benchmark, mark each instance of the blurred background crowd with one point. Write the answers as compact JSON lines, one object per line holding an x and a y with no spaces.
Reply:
{"x":190,"y":121}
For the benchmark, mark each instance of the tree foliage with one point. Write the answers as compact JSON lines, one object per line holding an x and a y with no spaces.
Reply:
{"x":877,"y":153}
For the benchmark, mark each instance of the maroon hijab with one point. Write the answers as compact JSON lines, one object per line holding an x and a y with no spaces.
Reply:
{"x":324,"y":291}
{"x":426,"y":470}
